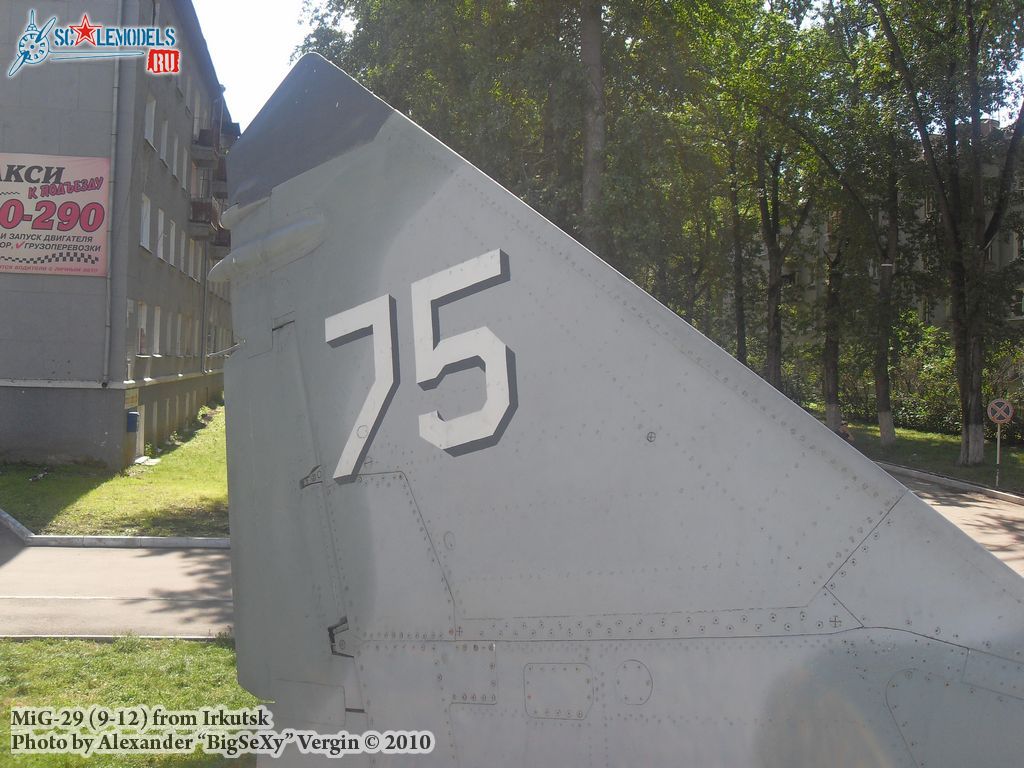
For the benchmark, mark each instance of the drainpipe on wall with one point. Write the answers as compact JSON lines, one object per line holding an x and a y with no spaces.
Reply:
{"x":108,"y":325}
{"x":206,"y":289}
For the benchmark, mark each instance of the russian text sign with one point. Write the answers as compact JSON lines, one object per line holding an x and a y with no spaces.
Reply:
{"x":53,"y":214}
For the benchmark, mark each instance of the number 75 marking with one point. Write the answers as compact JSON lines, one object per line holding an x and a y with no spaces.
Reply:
{"x":435,"y":359}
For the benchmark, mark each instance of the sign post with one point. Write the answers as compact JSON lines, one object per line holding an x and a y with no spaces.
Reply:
{"x":1000,"y":412}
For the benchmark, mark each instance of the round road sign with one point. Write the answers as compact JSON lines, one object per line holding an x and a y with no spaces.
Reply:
{"x":1000,"y":411}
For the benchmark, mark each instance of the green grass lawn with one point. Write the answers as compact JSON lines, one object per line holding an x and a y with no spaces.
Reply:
{"x":178,"y":674}
{"x":185,"y":494}
{"x":938,"y":453}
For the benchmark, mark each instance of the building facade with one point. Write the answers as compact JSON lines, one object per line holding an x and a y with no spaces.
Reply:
{"x":95,"y":366}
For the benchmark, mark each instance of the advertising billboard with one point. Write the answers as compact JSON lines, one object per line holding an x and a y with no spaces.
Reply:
{"x":53,"y":214}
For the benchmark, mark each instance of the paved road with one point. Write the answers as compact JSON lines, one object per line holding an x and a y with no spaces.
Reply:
{"x":92,"y":591}
{"x":187,"y":593}
{"x":996,"y":525}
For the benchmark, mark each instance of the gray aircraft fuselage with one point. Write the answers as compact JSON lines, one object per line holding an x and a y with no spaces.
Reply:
{"x":484,"y":486}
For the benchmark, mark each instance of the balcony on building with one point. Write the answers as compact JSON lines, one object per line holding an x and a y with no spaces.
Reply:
{"x":220,"y":179}
{"x":220,"y":244}
{"x":206,"y":148}
{"x":211,"y":143}
{"x":204,"y":217}
{"x":229,"y":133}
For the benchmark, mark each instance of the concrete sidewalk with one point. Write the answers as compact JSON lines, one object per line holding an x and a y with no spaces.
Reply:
{"x":99,"y":592}
{"x":995,"y":523}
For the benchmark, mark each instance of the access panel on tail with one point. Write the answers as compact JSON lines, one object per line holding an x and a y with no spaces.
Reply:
{"x":483,"y":485}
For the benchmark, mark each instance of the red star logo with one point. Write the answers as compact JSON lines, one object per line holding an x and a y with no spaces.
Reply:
{"x":86,"y":32}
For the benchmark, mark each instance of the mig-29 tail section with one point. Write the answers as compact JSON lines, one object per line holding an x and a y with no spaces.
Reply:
{"x":483,"y":485}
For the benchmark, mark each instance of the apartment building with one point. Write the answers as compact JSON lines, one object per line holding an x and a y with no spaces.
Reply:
{"x":1006,"y":248}
{"x":110,"y":333}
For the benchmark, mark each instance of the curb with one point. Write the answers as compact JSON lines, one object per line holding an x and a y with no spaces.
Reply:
{"x":115,"y":638}
{"x":30,"y":539}
{"x":15,"y":527}
{"x":960,"y":485}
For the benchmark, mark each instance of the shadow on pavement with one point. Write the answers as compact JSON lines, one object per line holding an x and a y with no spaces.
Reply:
{"x":208,"y":597}
{"x":949,"y":498}
{"x":10,"y":545}
{"x":1009,"y":530}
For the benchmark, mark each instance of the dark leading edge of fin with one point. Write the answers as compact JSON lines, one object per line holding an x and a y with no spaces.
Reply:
{"x":317,"y":113}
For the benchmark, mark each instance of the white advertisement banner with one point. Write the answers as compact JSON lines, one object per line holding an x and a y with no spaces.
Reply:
{"x":53,"y":214}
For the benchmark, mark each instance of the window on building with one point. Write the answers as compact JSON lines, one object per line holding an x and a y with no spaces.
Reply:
{"x":1017,"y":304}
{"x":181,"y":251}
{"x":160,"y":234}
{"x":169,"y":347}
{"x":196,"y":125}
{"x":143,"y":323}
{"x":172,"y":237}
{"x":155,"y":341}
{"x":177,"y":335}
{"x":149,"y":126}
{"x":172,"y":334}
{"x":184,"y":168}
{"x":174,"y":156}
{"x":130,"y":330}
{"x":144,"y":233}
{"x":163,"y":141}
{"x":197,"y":181}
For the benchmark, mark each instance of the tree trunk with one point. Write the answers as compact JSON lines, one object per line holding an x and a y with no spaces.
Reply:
{"x":830,"y":351}
{"x":969,"y":348}
{"x":660,"y":289}
{"x":773,"y":353}
{"x":555,"y":162}
{"x":883,"y":333}
{"x":770,"y":235}
{"x":972,"y":412}
{"x":739,"y":294}
{"x":593,"y":122}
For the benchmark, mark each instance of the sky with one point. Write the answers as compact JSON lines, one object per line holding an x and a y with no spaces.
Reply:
{"x":251,"y":43}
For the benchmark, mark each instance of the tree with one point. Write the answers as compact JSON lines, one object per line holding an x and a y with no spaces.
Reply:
{"x":741,"y":52}
{"x":954,"y":60}
{"x":591,"y":38}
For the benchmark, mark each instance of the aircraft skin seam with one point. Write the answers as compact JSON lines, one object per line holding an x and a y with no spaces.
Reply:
{"x":326,"y":521}
{"x":642,"y":614}
{"x":455,"y":621}
{"x":845,"y":607}
{"x":426,"y":531}
{"x":964,"y":648}
{"x":898,"y":629}
{"x":896,"y":723}
{"x":854,"y":549}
